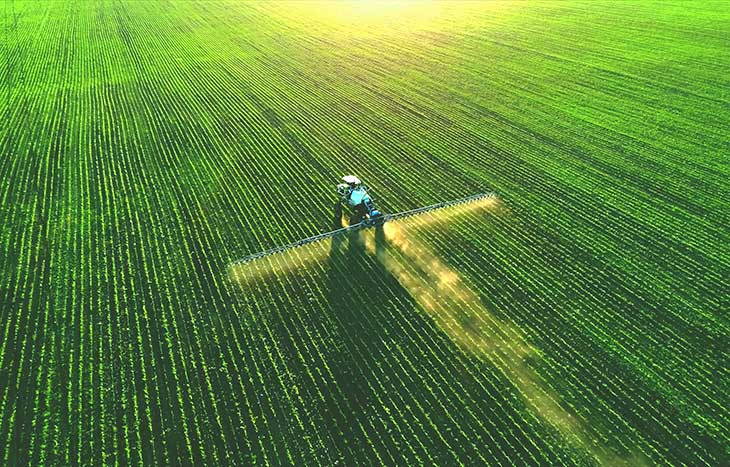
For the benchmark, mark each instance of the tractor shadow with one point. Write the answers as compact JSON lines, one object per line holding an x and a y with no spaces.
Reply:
{"x":358,"y":290}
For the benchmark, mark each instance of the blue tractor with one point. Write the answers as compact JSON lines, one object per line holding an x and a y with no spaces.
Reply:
{"x":354,"y":195}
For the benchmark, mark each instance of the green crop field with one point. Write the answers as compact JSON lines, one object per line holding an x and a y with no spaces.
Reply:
{"x":577,"y":318}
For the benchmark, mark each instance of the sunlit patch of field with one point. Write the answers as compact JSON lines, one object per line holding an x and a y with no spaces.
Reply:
{"x":286,"y":262}
{"x":382,"y":18}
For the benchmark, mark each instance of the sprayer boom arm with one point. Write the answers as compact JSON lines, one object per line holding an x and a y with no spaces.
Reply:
{"x":363,"y":225}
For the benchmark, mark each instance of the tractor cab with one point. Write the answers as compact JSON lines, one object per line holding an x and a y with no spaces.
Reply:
{"x":355,"y":196}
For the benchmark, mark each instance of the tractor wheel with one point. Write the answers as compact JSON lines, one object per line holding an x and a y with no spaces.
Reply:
{"x":359,"y":214}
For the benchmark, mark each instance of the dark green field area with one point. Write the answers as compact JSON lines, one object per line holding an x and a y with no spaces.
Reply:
{"x":580,"y":318}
